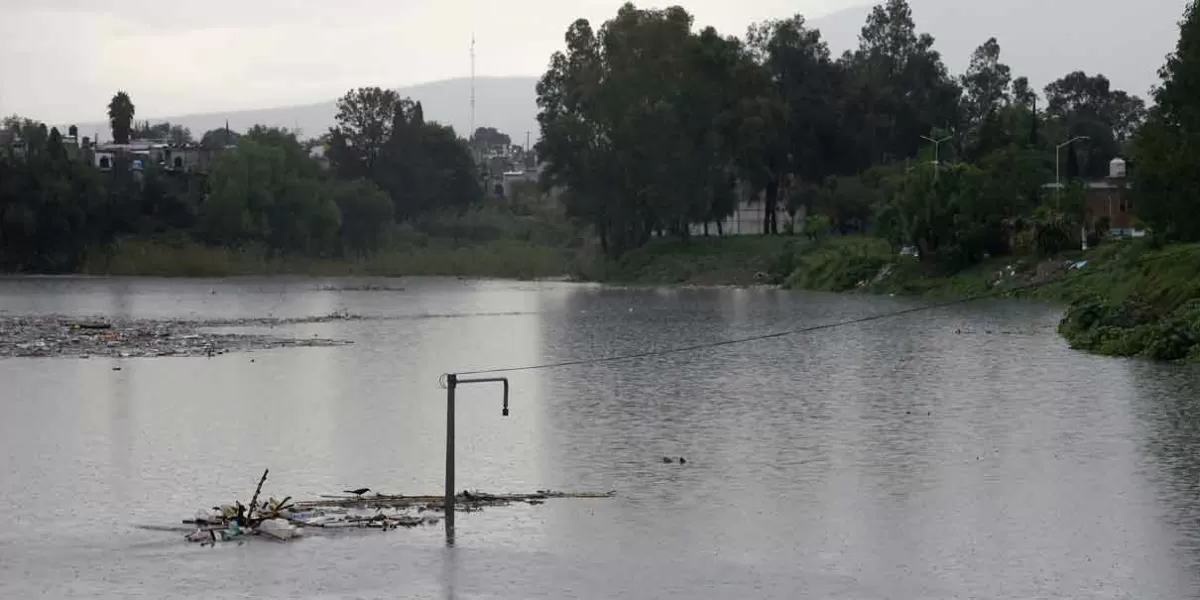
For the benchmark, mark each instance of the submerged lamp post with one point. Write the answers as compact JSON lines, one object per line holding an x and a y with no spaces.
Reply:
{"x":451,"y":383}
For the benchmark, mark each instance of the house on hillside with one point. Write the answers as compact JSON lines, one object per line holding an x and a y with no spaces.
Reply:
{"x":1108,"y":201}
{"x":183,"y":158}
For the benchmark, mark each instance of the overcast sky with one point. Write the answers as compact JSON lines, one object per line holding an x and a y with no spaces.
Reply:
{"x":61,"y":60}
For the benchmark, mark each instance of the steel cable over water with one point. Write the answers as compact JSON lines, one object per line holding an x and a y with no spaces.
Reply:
{"x":811,"y":329}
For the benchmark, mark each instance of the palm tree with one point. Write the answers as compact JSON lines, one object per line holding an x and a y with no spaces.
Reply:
{"x":120,"y":117}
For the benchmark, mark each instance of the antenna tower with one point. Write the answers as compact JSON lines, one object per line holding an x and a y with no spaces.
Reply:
{"x":472,"y":133}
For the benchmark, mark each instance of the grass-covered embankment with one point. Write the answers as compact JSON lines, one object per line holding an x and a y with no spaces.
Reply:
{"x":1135,"y":300}
{"x":1129,"y":298}
{"x":491,"y":242}
{"x":510,"y":259}
{"x":731,"y":260}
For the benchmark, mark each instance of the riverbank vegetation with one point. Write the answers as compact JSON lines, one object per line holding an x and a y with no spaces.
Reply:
{"x":383,"y":193}
{"x":527,"y":237}
{"x":656,"y":130}
{"x":876,"y":170}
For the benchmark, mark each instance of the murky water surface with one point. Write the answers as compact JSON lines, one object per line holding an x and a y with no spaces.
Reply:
{"x":896,"y":459}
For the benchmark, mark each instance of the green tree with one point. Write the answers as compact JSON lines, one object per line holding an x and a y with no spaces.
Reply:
{"x":297,"y":159}
{"x":366,"y":213}
{"x":46,"y":199}
{"x":489,"y":137}
{"x":635,"y":122}
{"x":951,"y":215}
{"x":268,"y":190}
{"x":165,"y":131}
{"x":1086,"y":105}
{"x":364,"y":125}
{"x":424,"y":167}
{"x":986,"y":82}
{"x":219,"y":139}
{"x":1166,"y":173}
{"x":805,"y":80}
{"x":120,"y":117}
{"x":240,"y":182}
{"x":986,"y":91}
{"x":898,"y":89}
{"x":454,"y":182}
{"x":1022,"y":93}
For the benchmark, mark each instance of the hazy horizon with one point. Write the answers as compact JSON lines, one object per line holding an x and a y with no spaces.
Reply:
{"x":289,"y":65}
{"x":62,"y":60}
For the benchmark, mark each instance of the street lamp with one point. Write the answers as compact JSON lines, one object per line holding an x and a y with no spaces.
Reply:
{"x":1058,"y":167}
{"x":936,"y":145}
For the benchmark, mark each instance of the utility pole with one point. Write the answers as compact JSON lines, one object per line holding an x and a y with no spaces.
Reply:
{"x":528,"y":154}
{"x":471,"y":135}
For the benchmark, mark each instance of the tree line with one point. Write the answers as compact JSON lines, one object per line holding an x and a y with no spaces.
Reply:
{"x":650,"y":127}
{"x":265,"y":187}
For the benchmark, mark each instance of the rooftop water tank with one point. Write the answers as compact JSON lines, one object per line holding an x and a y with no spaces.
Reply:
{"x":1116,"y":168}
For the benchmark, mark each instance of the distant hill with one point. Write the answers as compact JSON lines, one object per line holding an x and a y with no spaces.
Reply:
{"x":506,"y":103}
{"x":1040,"y":39}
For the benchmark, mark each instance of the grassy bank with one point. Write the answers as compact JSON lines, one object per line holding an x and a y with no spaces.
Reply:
{"x":1125,"y":298}
{"x":1140,"y":301}
{"x":733,"y":260}
{"x":1129,"y":298}
{"x":517,"y":241}
{"x":513,"y":259}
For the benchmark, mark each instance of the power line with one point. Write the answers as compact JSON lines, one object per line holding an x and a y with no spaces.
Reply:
{"x":822,"y":327}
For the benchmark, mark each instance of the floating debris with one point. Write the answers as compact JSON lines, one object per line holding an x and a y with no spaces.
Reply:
{"x":282,"y":520}
{"x":56,"y":336}
{"x":366,"y":287}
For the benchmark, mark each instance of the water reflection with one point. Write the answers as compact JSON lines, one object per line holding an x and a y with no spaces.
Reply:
{"x":914,"y":457}
{"x":903,"y":448}
{"x":1170,"y":420}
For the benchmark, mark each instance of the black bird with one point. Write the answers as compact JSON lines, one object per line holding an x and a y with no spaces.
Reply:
{"x":682,"y":460}
{"x":667,"y":460}
{"x":358,"y":492}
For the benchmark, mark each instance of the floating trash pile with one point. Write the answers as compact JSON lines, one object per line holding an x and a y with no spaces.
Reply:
{"x":57,"y":336}
{"x":283,"y":520}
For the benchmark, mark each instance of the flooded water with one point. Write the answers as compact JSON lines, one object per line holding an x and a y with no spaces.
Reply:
{"x":894,"y":459}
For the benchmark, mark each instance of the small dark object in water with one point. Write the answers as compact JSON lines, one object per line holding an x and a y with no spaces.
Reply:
{"x":667,"y":460}
{"x":682,"y":460}
{"x":95,"y":325}
{"x":116,"y":368}
{"x":359,"y":491}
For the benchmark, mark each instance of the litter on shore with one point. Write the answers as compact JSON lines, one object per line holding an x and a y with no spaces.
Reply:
{"x":282,"y":520}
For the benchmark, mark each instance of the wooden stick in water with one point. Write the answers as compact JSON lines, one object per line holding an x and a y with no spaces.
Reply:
{"x":254,"y":500}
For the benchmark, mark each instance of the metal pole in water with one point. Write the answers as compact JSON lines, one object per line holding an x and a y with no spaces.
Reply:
{"x":448,"y":502}
{"x":452,"y":382}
